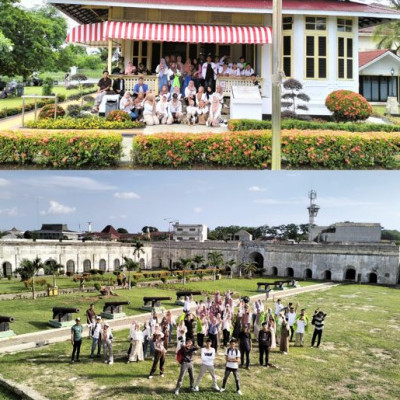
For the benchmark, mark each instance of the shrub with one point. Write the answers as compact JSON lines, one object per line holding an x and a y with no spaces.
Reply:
{"x":300,"y":149}
{"x":87,"y":85}
{"x":97,"y":286}
{"x":89,"y":99}
{"x":47,"y":86}
{"x":72,"y":87}
{"x":69,"y":273}
{"x":118,"y":116}
{"x":292,"y":97}
{"x":348,"y":106}
{"x":49,"y":110}
{"x":61,"y":150}
{"x":73,"y":110}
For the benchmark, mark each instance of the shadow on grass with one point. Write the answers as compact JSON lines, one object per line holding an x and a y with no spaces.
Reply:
{"x":39,"y":325}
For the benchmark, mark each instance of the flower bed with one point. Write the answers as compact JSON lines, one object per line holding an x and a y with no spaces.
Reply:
{"x":252,"y":124}
{"x":91,"y":122}
{"x":60,"y":150}
{"x":252,"y":149}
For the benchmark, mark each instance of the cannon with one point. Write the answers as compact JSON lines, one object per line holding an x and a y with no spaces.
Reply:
{"x":5,"y":330}
{"x":180,"y":296}
{"x":289,"y":282}
{"x":113,"y":309}
{"x":62,"y":317}
{"x":154,"y":303}
{"x":263,"y":286}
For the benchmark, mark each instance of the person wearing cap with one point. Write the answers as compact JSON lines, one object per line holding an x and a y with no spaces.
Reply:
{"x":96,"y":328}
{"x":232,"y":357}
{"x":207,"y":364}
{"x":76,"y":339}
{"x":264,"y":343}
{"x":106,"y":340}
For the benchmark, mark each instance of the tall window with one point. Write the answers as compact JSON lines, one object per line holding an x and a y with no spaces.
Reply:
{"x":345,"y":48}
{"x":287,"y":45}
{"x":316,"y":48}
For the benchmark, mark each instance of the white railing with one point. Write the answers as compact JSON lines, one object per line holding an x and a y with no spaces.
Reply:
{"x":36,"y":97}
{"x":228,"y":81}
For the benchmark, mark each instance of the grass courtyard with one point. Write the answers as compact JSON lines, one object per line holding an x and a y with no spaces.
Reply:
{"x":358,"y":360}
{"x":33,"y":316}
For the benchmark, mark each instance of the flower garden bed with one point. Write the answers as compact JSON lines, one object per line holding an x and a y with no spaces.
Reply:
{"x":301,"y":149}
{"x":91,"y":122}
{"x":252,"y":124}
{"x":60,"y":150}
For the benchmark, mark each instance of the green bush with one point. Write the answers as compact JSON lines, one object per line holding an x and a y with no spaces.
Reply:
{"x":89,"y":122}
{"x":348,"y":106}
{"x":97,"y":286}
{"x":61,"y":150}
{"x":47,"y":86}
{"x":252,"y":124}
{"x":48,"y":111}
{"x":300,"y":149}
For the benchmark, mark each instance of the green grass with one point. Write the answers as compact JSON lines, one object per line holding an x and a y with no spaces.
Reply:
{"x":59,"y":76}
{"x":358,"y":360}
{"x":33,"y":315}
{"x":6,"y":395}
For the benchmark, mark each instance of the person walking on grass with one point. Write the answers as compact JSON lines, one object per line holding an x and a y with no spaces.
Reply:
{"x":245,"y":346}
{"x":232,"y":357}
{"x":76,"y":339}
{"x":159,"y":352}
{"x":207,"y":364}
{"x":318,"y":321}
{"x":264,"y":343}
{"x":90,"y":317}
{"x":185,"y":353}
{"x":107,"y":341}
{"x":96,"y":328}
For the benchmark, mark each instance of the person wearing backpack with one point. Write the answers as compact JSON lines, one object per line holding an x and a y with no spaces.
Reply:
{"x":207,"y":364}
{"x":184,"y":356}
{"x":232,"y":357}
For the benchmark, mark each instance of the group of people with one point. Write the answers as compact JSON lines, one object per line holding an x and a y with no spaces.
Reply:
{"x":216,"y":322}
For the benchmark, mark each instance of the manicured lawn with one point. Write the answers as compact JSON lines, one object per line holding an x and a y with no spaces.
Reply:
{"x":33,"y":315}
{"x":358,"y":360}
{"x":32,"y":90}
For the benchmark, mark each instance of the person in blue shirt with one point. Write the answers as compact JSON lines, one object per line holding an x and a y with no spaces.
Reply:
{"x":140,"y":87}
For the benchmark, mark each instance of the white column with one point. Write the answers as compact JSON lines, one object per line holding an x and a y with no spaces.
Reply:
{"x":109,"y":64}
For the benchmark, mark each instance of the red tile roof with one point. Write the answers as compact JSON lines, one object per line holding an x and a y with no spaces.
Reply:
{"x":365,"y":57}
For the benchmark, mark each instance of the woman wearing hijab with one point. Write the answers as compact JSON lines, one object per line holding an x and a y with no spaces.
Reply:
{"x":162,"y":73}
{"x":149,"y":110}
{"x":215,"y":112}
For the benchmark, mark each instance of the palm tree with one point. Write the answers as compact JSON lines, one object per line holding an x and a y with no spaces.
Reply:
{"x":387,"y":36}
{"x":250,"y":268}
{"x":215,"y":258}
{"x":198,"y":260}
{"x":130,"y":265}
{"x":53,"y":266}
{"x":240,"y":268}
{"x":138,"y":249}
{"x":230,"y":264}
{"x":185,"y":263}
{"x":30,"y":269}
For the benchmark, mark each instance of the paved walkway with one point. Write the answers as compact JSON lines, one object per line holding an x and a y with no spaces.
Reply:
{"x":43,"y":338}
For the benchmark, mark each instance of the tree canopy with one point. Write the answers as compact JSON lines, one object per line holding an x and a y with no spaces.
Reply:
{"x":34,"y":35}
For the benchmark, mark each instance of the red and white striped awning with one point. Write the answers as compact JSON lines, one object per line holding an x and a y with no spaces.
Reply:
{"x":99,"y":33}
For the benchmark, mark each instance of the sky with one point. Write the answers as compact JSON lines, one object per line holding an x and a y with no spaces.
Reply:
{"x":133,"y":199}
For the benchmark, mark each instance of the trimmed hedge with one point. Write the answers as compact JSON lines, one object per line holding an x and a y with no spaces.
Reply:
{"x":252,"y":124}
{"x":252,"y":149}
{"x":60,"y":150}
{"x":348,"y":106}
{"x":91,"y":122}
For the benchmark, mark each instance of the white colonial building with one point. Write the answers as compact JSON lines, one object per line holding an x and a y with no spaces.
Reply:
{"x":320,"y":37}
{"x":192,"y":232}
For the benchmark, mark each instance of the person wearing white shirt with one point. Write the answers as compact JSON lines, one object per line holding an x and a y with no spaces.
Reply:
{"x":136,"y":336}
{"x":162,"y":109}
{"x":107,"y":341}
{"x":207,"y":364}
{"x":291,"y":317}
{"x":191,"y":112}
{"x":278,"y":307}
{"x":149,"y":110}
{"x":224,"y":70}
{"x":190,"y":91}
{"x":248,"y":71}
{"x":96,"y":328}
{"x":209,"y":73}
{"x":301,"y":327}
{"x":235,"y":70}
{"x":215,"y":113}
{"x":232,"y":357}
{"x":175,"y":110}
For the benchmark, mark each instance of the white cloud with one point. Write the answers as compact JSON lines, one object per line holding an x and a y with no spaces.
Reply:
{"x":71,"y":182}
{"x":10,"y":212}
{"x":256,"y":189}
{"x":126,"y":195}
{"x":57,"y":208}
{"x":197,"y":210}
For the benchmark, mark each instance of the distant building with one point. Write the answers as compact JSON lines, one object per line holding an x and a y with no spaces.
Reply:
{"x":13,"y":233}
{"x":191,"y":232}
{"x":243,"y":236}
{"x":348,"y":232}
{"x":56,"y":231}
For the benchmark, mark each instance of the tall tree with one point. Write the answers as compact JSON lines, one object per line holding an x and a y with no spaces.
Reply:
{"x":387,"y":35}
{"x":130,"y":265}
{"x":250,"y":268}
{"x":138,"y":249}
{"x":52,"y":267}
{"x":198,"y":260}
{"x":30,"y":269}
{"x":215,"y":258}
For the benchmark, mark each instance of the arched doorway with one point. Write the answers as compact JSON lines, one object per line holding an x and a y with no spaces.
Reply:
{"x":308,"y":273}
{"x":328,"y":275}
{"x":102,"y":264}
{"x":289,"y":272}
{"x":258,"y":259}
{"x":7,"y":269}
{"x":350,"y":274}
{"x":87,"y":266}
{"x":274,"y":271}
{"x":373,"y":278}
{"x":70,"y":267}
